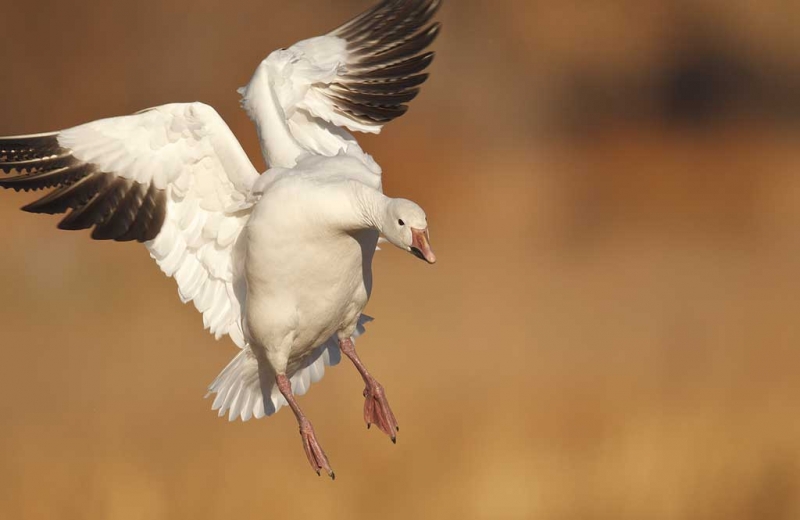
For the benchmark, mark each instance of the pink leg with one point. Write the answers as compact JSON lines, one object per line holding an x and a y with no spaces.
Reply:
{"x":316,"y":456}
{"x":376,"y":406}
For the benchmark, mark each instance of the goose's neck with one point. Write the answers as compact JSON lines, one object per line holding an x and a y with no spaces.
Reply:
{"x":369,"y":207}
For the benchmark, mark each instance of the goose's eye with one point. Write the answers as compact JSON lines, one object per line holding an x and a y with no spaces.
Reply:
{"x":401,"y":222}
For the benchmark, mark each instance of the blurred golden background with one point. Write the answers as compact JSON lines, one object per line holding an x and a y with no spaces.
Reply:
{"x":611,"y":331}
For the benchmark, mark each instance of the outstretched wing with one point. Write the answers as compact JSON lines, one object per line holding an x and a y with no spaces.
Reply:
{"x":166,"y":177}
{"x":383,"y":63}
{"x":358,"y":77}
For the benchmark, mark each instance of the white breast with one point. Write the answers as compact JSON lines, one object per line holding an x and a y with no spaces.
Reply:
{"x":306,"y":281}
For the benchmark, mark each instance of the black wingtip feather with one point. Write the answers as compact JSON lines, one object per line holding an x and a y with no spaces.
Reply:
{"x":381,"y":99}
{"x":24,"y":148}
{"x":157,"y":216}
{"x":404,"y":49}
{"x":387,"y":58}
{"x":394,"y":22}
{"x":117,"y":208}
{"x":403,"y":28}
{"x":364,"y":20}
{"x":101,"y":206}
{"x":371,"y":113}
{"x":401,"y":69}
{"x":118,"y":224}
{"x":393,"y":19}
{"x":389,"y":85}
{"x":149,"y":218}
{"x":46,"y":178}
{"x":38,"y":163}
{"x":69,"y":197}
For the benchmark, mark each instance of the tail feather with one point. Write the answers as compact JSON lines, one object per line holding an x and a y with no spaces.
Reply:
{"x":241,"y":392}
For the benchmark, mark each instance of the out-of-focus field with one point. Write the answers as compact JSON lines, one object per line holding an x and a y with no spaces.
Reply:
{"x":611,"y":331}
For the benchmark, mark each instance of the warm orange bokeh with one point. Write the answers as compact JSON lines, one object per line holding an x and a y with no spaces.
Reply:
{"x":611,"y":331}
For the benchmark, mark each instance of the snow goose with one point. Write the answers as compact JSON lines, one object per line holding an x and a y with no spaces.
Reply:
{"x":280,"y":262}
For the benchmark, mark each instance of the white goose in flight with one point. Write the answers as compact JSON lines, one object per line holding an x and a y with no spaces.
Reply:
{"x":280,"y":262}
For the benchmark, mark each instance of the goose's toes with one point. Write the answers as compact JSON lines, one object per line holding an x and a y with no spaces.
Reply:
{"x":378,"y":412}
{"x":314,"y":452}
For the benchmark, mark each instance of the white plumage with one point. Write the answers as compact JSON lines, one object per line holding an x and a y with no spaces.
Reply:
{"x":189,"y":151}
{"x":280,"y":262}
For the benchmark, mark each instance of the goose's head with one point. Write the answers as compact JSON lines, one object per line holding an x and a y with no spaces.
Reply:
{"x":406,"y":226}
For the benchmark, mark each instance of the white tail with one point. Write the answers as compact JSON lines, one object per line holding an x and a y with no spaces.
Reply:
{"x":241,"y":394}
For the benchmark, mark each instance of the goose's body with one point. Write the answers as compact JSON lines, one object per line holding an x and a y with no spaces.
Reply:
{"x":279,"y":262}
{"x":308,"y":262}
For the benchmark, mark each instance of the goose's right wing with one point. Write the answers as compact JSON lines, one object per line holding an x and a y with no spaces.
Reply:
{"x":166,"y":177}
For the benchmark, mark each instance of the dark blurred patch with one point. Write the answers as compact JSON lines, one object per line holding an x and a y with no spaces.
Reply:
{"x":708,"y":79}
{"x":704,"y":78}
{"x":704,"y":82}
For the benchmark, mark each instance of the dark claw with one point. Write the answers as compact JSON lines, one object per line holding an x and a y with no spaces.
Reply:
{"x":394,"y":440}
{"x":369,"y":425}
{"x":333,"y":475}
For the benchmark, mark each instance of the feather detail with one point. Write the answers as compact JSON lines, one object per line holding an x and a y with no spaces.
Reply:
{"x":238,"y":387}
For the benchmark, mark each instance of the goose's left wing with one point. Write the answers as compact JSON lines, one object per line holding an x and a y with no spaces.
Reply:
{"x":358,"y":77}
{"x":383,"y":63}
